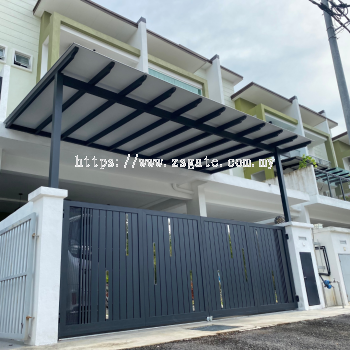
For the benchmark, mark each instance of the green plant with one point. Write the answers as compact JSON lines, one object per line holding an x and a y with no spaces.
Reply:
{"x":307,"y":160}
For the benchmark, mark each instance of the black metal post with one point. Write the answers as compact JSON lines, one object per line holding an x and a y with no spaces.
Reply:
{"x":56,"y":131}
{"x":342,"y":189}
{"x":329,"y":186}
{"x":282,"y":185}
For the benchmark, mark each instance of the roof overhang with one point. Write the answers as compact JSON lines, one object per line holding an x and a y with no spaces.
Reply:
{"x":342,"y":137}
{"x":113,"y":107}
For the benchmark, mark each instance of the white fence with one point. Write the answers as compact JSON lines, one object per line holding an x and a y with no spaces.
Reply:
{"x":17,"y":248}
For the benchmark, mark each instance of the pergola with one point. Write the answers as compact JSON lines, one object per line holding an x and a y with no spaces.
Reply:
{"x":106,"y":105}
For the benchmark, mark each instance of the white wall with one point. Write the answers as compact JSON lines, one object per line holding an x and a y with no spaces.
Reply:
{"x":302,"y":180}
{"x":330,"y":237}
{"x":228,"y":90}
{"x":19,"y":30}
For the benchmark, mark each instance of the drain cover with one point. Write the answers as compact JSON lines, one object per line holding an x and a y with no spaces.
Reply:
{"x":213,"y":328}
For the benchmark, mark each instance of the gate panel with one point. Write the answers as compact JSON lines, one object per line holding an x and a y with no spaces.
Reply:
{"x":101,"y":284}
{"x":229,"y":268}
{"x":175,"y":289}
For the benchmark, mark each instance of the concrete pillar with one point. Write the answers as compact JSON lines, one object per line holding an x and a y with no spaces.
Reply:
{"x":5,"y":86}
{"x":300,"y":240}
{"x":48,"y":205}
{"x":197,"y":205}
{"x":294,"y":111}
{"x":139,"y":40}
{"x":214,"y":79}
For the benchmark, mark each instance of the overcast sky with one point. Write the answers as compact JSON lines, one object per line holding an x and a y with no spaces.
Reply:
{"x":280,"y":44}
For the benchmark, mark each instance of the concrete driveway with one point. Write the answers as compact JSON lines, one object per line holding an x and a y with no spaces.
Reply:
{"x":219,"y":336}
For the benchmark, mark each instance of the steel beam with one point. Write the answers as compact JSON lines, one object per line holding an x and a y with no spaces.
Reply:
{"x":156,"y":124}
{"x":158,"y":112}
{"x":130,"y":117}
{"x":97,"y":78}
{"x":282,"y":186}
{"x":133,"y":86}
{"x":42,"y":85}
{"x":179,"y":131}
{"x":220,"y":142}
{"x":56,"y":131}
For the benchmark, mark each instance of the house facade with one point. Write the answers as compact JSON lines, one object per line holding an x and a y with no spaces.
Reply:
{"x":88,"y":98}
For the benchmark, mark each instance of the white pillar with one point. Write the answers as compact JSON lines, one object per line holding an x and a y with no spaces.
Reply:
{"x":300,"y":241}
{"x":139,"y":40}
{"x":48,"y":205}
{"x":197,"y":205}
{"x":214,"y":79}
{"x":294,"y":111}
{"x":5,"y":74}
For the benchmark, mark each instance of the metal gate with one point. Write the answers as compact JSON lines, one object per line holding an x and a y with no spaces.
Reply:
{"x":17,"y":254}
{"x":128,"y":268}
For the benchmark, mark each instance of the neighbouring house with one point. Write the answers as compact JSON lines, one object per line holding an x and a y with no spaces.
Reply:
{"x":117,"y":180}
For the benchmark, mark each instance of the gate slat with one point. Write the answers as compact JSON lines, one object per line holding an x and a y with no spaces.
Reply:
{"x":184,"y":273}
{"x":109,"y":262}
{"x":102,"y":268}
{"x":174,"y":285}
{"x":261,"y":266}
{"x":129,"y":271}
{"x":135,"y":265}
{"x":150,"y":306}
{"x":123,"y":270}
{"x":197,"y":288}
{"x":240,"y":267}
{"x":157,"y":286}
{"x":188,"y":268}
{"x":94,"y":265}
{"x":168,"y":274}
{"x":162,"y":274}
{"x":177,"y":253}
{"x":116,"y":264}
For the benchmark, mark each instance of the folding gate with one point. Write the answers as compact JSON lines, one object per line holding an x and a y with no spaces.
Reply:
{"x":127,"y":268}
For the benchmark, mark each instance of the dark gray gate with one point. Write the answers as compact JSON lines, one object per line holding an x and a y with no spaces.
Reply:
{"x":248,"y":267}
{"x":127,"y":268}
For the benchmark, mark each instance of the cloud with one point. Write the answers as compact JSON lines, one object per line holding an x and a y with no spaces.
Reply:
{"x":282,"y":45}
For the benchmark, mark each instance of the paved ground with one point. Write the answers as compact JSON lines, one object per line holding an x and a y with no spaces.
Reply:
{"x":324,"y":333}
{"x":250,"y":332}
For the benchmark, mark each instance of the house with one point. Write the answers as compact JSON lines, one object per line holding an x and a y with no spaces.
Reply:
{"x":128,"y":147}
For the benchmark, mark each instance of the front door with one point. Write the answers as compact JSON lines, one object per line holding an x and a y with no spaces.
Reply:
{"x":345,"y":267}
{"x":309,"y":278}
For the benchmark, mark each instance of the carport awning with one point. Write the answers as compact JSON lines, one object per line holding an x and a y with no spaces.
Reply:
{"x":110,"y":106}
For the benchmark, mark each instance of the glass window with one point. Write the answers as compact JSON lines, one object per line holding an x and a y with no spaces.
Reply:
{"x":2,"y":53}
{"x":174,"y":81}
{"x":22,"y":60}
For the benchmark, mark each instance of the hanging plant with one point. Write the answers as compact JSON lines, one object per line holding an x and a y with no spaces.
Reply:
{"x":307,"y":160}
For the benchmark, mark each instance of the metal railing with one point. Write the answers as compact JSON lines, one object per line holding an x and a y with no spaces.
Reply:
{"x":323,"y":162}
{"x":17,"y":246}
{"x":332,"y":185}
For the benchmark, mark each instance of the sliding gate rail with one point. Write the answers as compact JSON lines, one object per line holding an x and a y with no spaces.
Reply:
{"x":126,"y":268}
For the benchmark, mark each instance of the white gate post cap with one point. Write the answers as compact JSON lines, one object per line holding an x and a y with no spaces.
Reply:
{"x":47,"y":192}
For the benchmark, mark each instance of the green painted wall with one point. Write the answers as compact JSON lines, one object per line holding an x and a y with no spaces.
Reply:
{"x":51,"y":27}
{"x":244,"y":105}
{"x":342,"y":150}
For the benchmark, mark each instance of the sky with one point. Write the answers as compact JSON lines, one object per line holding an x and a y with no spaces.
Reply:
{"x":280,"y":44}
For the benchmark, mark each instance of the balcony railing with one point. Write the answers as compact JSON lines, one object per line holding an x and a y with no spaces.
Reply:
{"x":334,"y":183}
{"x":324,"y":162}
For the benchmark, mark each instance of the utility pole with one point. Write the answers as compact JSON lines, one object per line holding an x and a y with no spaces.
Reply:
{"x":338,"y":67}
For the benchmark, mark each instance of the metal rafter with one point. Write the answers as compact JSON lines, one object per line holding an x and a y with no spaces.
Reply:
{"x":96,"y":79}
{"x":158,"y":112}
{"x":221,"y":142}
{"x":156,"y":124}
{"x":179,"y":131}
{"x":130,"y":88}
{"x":130,"y":117}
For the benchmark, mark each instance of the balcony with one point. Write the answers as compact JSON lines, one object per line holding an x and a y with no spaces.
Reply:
{"x":334,"y":183}
{"x":322,"y":162}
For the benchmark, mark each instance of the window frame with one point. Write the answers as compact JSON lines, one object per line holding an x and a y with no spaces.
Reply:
{"x":3,"y":60}
{"x":20,"y":52}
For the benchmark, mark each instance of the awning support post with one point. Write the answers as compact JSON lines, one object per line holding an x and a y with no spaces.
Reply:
{"x":282,"y":186}
{"x":56,"y":131}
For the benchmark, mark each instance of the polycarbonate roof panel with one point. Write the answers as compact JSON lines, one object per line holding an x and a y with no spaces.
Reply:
{"x":153,"y":133}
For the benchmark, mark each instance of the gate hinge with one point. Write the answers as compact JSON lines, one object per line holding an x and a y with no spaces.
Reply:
{"x":210,"y":318}
{"x":297,"y":298}
{"x":34,"y":235}
{"x":29,"y":317}
{"x":287,"y":236}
